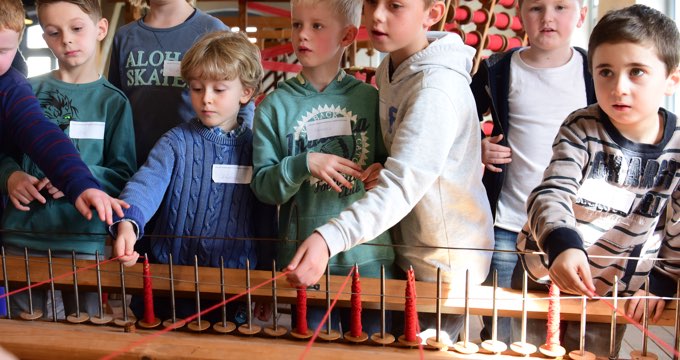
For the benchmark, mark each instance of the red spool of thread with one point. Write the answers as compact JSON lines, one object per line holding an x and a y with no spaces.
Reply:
{"x":516,"y":24}
{"x":472,"y":38}
{"x":495,"y":42}
{"x":502,"y":20}
{"x":514,"y":42}
{"x":509,"y":4}
{"x":301,"y":311}
{"x":410,"y":313}
{"x":355,"y":325}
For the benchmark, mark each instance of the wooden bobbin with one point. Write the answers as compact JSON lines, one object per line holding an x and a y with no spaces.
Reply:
{"x":224,"y":328}
{"x":494,"y":346}
{"x":578,"y":355}
{"x":101,"y":320}
{"x":356,"y":339}
{"x":37,"y":314}
{"x":123,"y":323}
{"x":302,"y":336}
{"x":276,"y":332}
{"x":334,"y":335}
{"x":464,"y":347}
{"x":74,"y":319}
{"x":383,"y":340}
{"x":179,"y":323}
{"x":402,"y":340}
{"x":198,"y":326}
{"x":439,"y":345}
{"x":552,"y":350}
{"x":251,"y":329}
{"x":149,"y":325}
{"x":523,"y":348}
{"x":637,"y":355}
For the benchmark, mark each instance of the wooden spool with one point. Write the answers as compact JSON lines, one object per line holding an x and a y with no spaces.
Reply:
{"x":383,"y":340}
{"x":552,"y":350}
{"x":301,"y":336}
{"x":179,"y":323}
{"x":149,"y":325}
{"x":275,"y":332}
{"x":37,"y":314}
{"x":523,"y":348}
{"x":249,"y":330}
{"x":637,"y":355}
{"x":578,"y":355}
{"x":334,"y":335}
{"x":74,"y":319}
{"x":466,"y":348}
{"x":356,"y":339}
{"x":198,"y":326}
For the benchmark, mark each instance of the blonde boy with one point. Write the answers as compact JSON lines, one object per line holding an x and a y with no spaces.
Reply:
{"x":431,"y":182}
{"x":609,"y":200}
{"x":97,"y":118}
{"x":317,"y":142}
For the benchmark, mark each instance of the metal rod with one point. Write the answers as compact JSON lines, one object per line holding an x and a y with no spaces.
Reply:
{"x":4,"y":276}
{"x":494,"y":313}
{"x":274,"y":298}
{"x":173,"y":307}
{"x":53,"y":296}
{"x":198,"y":292}
{"x":613,"y":355}
{"x":466,"y":320}
{"x":99,"y":286}
{"x":439,"y":303}
{"x":582,"y":340}
{"x":328,"y":299}
{"x":382,"y":302}
{"x":224,"y":305}
{"x":645,"y":325}
{"x":249,"y":307}
{"x":122,"y":292}
{"x":28,"y":282}
{"x":76,"y":295}
{"x":677,"y":322}
{"x":525,"y":287}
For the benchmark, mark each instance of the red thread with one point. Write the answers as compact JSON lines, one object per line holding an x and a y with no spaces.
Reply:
{"x":301,"y":311}
{"x":410,"y":313}
{"x":553,"y":326}
{"x":149,"y":314}
{"x":355,"y":324}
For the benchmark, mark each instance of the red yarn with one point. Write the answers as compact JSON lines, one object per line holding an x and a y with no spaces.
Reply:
{"x":553,"y":326}
{"x":410,"y":314}
{"x":301,"y":311}
{"x":149,"y":314}
{"x":355,"y":324}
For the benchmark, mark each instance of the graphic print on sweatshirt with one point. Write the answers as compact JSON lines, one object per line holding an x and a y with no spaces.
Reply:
{"x":148,"y":68}
{"x":330,"y":129}
{"x":58,"y":107}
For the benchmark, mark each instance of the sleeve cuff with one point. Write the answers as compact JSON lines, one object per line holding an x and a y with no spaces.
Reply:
{"x":332,"y":235}
{"x":298,"y":169}
{"x":661,"y":284}
{"x":134,"y":215}
{"x":559,"y":240}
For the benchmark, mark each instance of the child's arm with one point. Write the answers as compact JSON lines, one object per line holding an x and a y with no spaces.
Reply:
{"x":494,"y":154}
{"x":571,"y":273}
{"x":124,"y":244}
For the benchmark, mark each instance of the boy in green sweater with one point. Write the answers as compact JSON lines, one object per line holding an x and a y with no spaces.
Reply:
{"x":97,"y":118}
{"x":317,"y":142}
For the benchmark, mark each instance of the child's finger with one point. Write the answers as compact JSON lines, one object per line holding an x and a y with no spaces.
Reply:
{"x":18,"y":205}
{"x":631,"y":306}
{"x":34,"y":193}
{"x":83,"y":208}
{"x":658,"y":310}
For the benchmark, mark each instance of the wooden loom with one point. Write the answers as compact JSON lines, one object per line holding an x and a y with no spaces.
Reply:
{"x":46,"y":339}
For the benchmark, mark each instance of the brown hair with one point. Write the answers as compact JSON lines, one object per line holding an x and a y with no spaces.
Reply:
{"x":89,"y":7}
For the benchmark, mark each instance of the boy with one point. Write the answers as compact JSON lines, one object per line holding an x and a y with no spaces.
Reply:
{"x":197,"y":175}
{"x":611,"y":188}
{"x":23,"y":128}
{"x":432,"y":180}
{"x":97,"y":118}
{"x":314,"y":135}
{"x":530,"y":92}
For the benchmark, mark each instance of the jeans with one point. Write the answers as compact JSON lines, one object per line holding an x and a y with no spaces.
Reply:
{"x":504,"y":263}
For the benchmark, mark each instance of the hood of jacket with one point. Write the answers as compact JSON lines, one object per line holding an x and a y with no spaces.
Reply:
{"x":299,"y":86}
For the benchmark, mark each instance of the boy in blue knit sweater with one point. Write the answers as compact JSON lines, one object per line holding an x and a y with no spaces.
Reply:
{"x":197,"y":176}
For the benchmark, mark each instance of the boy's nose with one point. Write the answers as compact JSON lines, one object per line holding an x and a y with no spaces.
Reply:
{"x":621,"y":86}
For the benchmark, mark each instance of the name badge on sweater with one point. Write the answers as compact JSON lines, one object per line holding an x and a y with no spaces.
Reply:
{"x":329,"y":127}
{"x":172,"y":68}
{"x":232,"y":174}
{"x":603,"y":193}
{"x":86,"y":130}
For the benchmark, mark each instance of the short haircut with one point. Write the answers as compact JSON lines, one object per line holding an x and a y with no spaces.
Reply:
{"x":641,"y":25}
{"x":145,"y":3}
{"x":520,"y":2}
{"x":348,"y":10}
{"x":89,"y":7}
{"x":224,"y":55}
{"x":12,"y":16}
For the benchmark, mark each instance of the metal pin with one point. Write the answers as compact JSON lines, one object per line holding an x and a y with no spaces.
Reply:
{"x":613,"y":355}
{"x":275,"y":330}
{"x":465,"y":346}
{"x":249,"y":328}
{"x":4,"y":276}
{"x":494,"y":345}
{"x":522,"y":347}
{"x":581,"y":353}
{"x":173,"y":308}
{"x":32,"y":314}
{"x":78,"y":317}
{"x":198,"y":324}
{"x":225,"y":326}
{"x":330,"y":334}
{"x":126,"y":319}
{"x":102,"y":318}
{"x":644,"y":355}
{"x":436,"y":342}
{"x":382,"y":337}
{"x":53,"y":296}
{"x":677,"y":321}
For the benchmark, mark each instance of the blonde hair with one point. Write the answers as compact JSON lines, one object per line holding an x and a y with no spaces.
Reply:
{"x":224,"y":55}
{"x":12,"y":16}
{"x":349,"y":10}
{"x":89,"y":7}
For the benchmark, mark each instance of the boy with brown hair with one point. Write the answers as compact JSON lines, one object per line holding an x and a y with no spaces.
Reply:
{"x":431,"y":182}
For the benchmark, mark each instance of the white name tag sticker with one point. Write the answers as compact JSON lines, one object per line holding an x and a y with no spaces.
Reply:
{"x":327,"y":128}
{"x":232,"y":174}
{"x":86,"y":130}
{"x":603,"y":193}
{"x":172,"y":68}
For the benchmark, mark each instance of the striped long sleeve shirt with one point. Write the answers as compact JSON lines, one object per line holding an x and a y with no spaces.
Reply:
{"x":613,"y":198}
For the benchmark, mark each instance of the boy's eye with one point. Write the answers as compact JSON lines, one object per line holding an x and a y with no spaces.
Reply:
{"x":395,"y":6}
{"x":317,"y":26}
{"x":78,"y":28}
{"x":605,"y":73}
{"x":296,"y":25}
{"x":637,"y":72}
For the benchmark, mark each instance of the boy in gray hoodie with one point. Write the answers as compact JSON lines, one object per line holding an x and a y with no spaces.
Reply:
{"x":432,"y":179}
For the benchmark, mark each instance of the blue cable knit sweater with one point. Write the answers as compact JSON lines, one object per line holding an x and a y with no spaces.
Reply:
{"x":177,"y":181}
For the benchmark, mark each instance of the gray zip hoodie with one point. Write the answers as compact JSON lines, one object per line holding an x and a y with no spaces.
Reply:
{"x":432,"y":180}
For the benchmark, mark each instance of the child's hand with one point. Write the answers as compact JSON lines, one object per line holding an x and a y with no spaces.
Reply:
{"x":330,"y":168}
{"x":571,"y":272}
{"x":51,"y":189}
{"x":309,"y":262}
{"x":124,"y":244}
{"x":636,"y":306}
{"x":492,"y":153}
{"x":263,"y":310}
{"x":370,"y":175}
{"x":23,"y":188}
{"x":102,"y":202}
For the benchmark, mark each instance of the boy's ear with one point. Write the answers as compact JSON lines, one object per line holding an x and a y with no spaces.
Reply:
{"x":435,"y":13}
{"x":246,"y":95}
{"x":672,"y":82}
{"x":582,"y":16}
{"x":351,"y":33}
{"x":102,"y":28}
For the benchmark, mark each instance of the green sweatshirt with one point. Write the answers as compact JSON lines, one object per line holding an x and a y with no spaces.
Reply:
{"x":295,"y":120}
{"x":98,"y":119}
